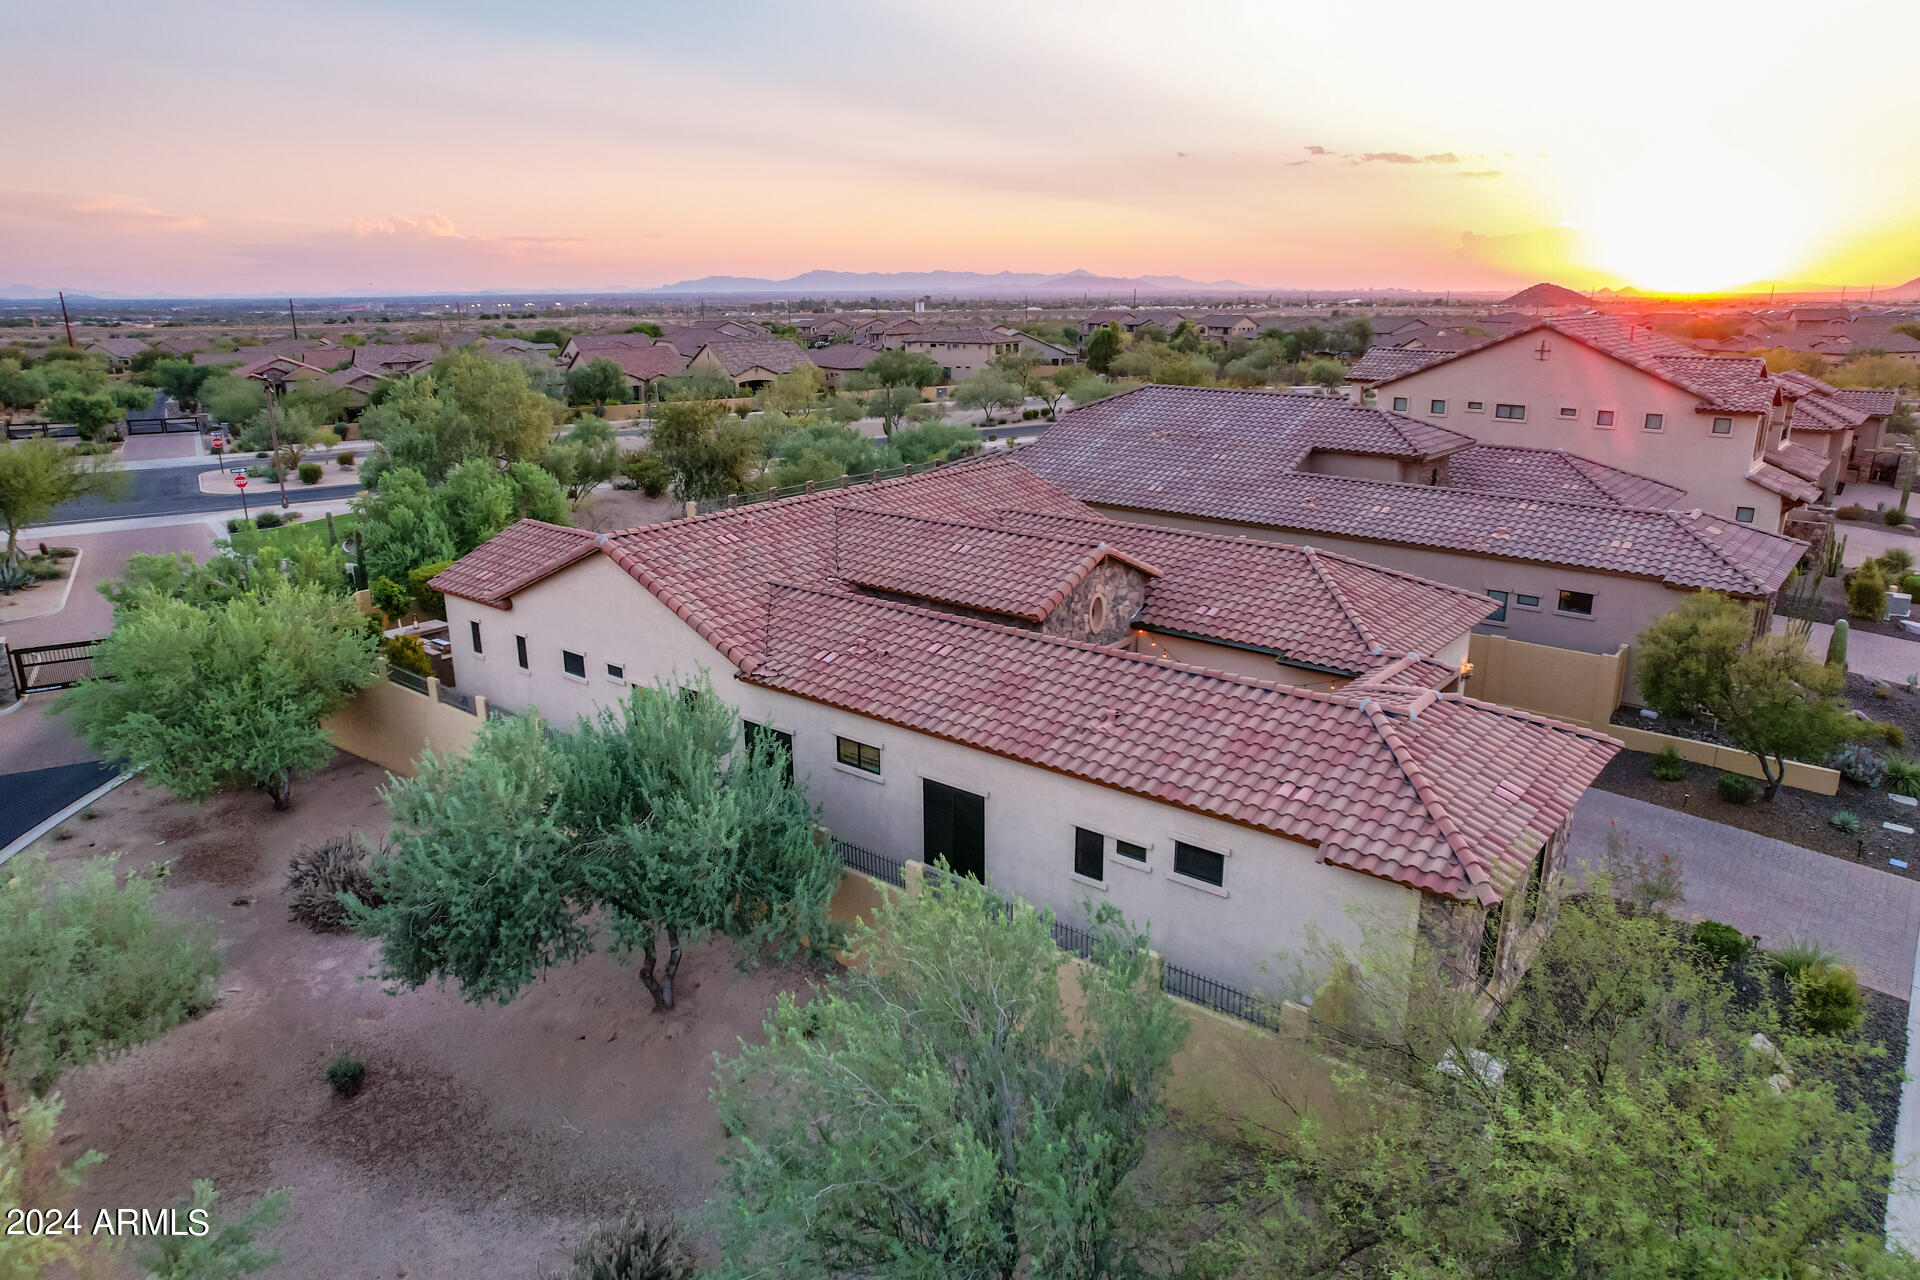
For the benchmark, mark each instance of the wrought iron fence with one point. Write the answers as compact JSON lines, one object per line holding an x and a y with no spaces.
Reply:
{"x":867,"y":862}
{"x":43,"y":668}
{"x":1218,"y":996}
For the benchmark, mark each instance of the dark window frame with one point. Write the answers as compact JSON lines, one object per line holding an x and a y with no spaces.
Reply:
{"x":1505,"y":599}
{"x":1561,"y":602}
{"x":1603,"y":417}
{"x":616,"y":671}
{"x":1120,"y":848}
{"x":520,"y":648}
{"x":858,"y":757}
{"x":1521,"y":600}
{"x":1719,"y":430}
{"x":1089,"y":855}
{"x":1400,"y":404}
{"x":1191,"y":861}
{"x":1654,"y":422}
{"x":1569,"y":413}
{"x":1743,"y":515}
{"x":1437,"y":408}
{"x":1510,"y":412}
{"x":569,"y":660}
{"x":474,"y":632}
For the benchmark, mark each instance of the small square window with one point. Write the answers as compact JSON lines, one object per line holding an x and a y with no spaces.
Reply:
{"x":1603,"y":418}
{"x":1569,"y":413}
{"x":1526,"y":602}
{"x":1723,"y":426}
{"x":857,"y":755}
{"x":616,"y":671}
{"x":1743,"y":514}
{"x":1089,"y":854}
{"x":1476,"y":406}
{"x":1130,"y":851}
{"x":1399,"y":404}
{"x":1199,"y":864}
{"x":1438,"y":408}
{"x":520,"y":647}
{"x":1515,"y":412}
{"x":1656,"y":422}
{"x":1580,"y":602}
{"x":574,"y":664}
{"x":476,"y":635}
{"x":1500,"y":614}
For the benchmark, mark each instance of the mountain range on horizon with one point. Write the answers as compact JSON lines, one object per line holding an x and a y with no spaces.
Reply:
{"x":1050,"y":283}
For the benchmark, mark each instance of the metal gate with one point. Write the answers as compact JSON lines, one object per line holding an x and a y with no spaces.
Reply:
{"x":46,"y":667}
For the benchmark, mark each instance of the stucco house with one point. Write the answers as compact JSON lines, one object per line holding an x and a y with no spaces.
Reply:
{"x":1576,"y":554}
{"x":960,"y":350}
{"x":841,"y":360}
{"x":644,"y":367}
{"x":964,"y":666}
{"x":751,"y":364}
{"x":1715,"y":427}
{"x":118,"y":352}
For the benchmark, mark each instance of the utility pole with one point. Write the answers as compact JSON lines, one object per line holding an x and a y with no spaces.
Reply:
{"x":293,"y":317}
{"x":64,"y":318}
{"x":273,"y":436}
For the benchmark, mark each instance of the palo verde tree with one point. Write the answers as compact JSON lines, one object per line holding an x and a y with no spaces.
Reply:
{"x":938,"y":1113}
{"x":1683,"y":659}
{"x":38,"y":475}
{"x":1782,"y":705}
{"x":1102,"y":346}
{"x":654,"y":812}
{"x":895,"y":379}
{"x":88,"y":969}
{"x":599,"y":382}
{"x":199,"y":696}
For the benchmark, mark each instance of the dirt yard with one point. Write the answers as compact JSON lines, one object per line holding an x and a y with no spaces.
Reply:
{"x":487,"y":1139}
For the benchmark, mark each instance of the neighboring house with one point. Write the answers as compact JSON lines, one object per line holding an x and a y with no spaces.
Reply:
{"x":751,"y":365}
{"x":1554,"y":539}
{"x":176,"y":344}
{"x":118,"y":352}
{"x":318,"y":351}
{"x":1225,"y":328}
{"x":952,"y":688}
{"x":585,"y":346}
{"x":841,"y":360}
{"x":358,"y":383}
{"x":688,"y":339}
{"x":1619,"y":394}
{"x":1845,"y":426}
{"x":645,"y":366}
{"x":1046,"y":352}
{"x":1827,"y":319}
{"x":1101,"y":319}
{"x":961,"y":351}
{"x":397,"y":359}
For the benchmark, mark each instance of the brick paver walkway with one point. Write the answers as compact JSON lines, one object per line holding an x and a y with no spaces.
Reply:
{"x":1870,"y":918}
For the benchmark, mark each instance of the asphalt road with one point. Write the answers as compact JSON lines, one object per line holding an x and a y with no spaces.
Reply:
{"x":28,"y":799}
{"x":165,"y":491}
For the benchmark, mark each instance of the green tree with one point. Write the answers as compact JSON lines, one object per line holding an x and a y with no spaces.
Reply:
{"x":1175,"y":368}
{"x":896,"y":368}
{"x":238,"y":690}
{"x":1875,"y":369}
{"x":1781,"y":705}
{"x":32,"y":1177}
{"x":181,"y":379}
{"x":21,"y":388}
{"x":400,"y":526}
{"x":599,"y":382}
{"x":1326,"y":373}
{"x":1102,"y":346}
{"x":645,"y":326}
{"x":824,"y":451}
{"x":1632,"y":1133}
{"x":236,"y":401}
{"x":1781,"y":360}
{"x":536,"y":494}
{"x":89,"y":411}
{"x":796,"y":393}
{"x":649,"y":812}
{"x":891,"y":405}
{"x":990,"y":389}
{"x":584,"y":459}
{"x":511,"y":421}
{"x":89,"y":968}
{"x":1683,"y":660}
{"x":228,"y":1249}
{"x":475,"y":503}
{"x":38,"y":475}
{"x":707,"y":456}
{"x":938,"y":1112}
{"x":935,"y":442}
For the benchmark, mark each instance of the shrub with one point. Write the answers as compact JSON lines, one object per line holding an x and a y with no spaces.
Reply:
{"x":1668,"y":766}
{"x":1895,"y":561}
{"x":317,"y":877}
{"x":1903,"y":776}
{"x":1911,"y":584}
{"x":237,"y":525}
{"x":1736,"y":788}
{"x":1894,"y":516}
{"x":1829,"y":999}
{"x":631,"y":1248}
{"x":1797,"y":958}
{"x":1852,"y":511}
{"x":269,"y":520}
{"x":1890,"y":733}
{"x":1722,"y":942}
{"x":310,"y":473}
{"x":390,"y":598}
{"x":431,"y":602}
{"x":346,"y":1075}
{"x":346,"y":458}
{"x":1882,"y":691}
{"x":647,"y":471}
{"x":1859,"y":764}
{"x":1028,"y":415}
{"x":408,"y":654}
{"x":1867,"y":592}
{"x":1845,"y":820}
{"x":42,"y":568}
{"x":13,"y":578}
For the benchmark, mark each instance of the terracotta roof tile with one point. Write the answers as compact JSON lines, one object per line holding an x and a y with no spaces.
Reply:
{"x":1878,"y":402}
{"x":513,"y":560}
{"x":1798,"y":460}
{"x":1555,"y":473}
{"x":736,"y":357}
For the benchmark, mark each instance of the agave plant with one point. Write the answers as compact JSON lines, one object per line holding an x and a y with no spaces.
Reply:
{"x":13,"y":578}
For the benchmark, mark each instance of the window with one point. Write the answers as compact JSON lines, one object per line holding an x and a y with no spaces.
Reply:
{"x":1097,"y":613}
{"x":1199,"y":864}
{"x":574,"y":664}
{"x":616,"y":672}
{"x":1130,"y":851}
{"x":1526,"y":602}
{"x":1743,"y":514}
{"x":857,"y":755}
{"x":476,"y":635}
{"x":520,"y":645}
{"x":1399,"y":404}
{"x":1489,"y":946}
{"x":1656,"y":422}
{"x":1603,"y":418}
{"x":1569,"y":413}
{"x":1476,"y":406}
{"x":1438,"y":408}
{"x":1500,"y":614}
{"x":1089,"y":854}
{"x":753,"y":734}
{"x":1723,"y":426}
{"x":1517,"y":412}
{"x":1580,"y":602}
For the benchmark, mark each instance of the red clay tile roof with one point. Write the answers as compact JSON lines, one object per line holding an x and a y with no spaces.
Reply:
{"x":843,"y":356}
{"x":974,"y":565}
{"x":1821,"y":413}
{"x":1783,"y":482}
{"x":971,"y":334}
{"x":645,"y":363}
{"x":776,"y":354}
{"x":1381,"y":363}
{"x":1881,"y":403}
{"x":1308,"y":608}
{"x":513,"y":560}
{"x":1410,"y":672}
{"x":1798,"y":460}
{"x":1442,"y":793}
{"x":1554,"y":473}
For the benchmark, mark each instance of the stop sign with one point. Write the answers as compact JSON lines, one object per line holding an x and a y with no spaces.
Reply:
{"x":239,"y":482}
{"x":219,"y":442}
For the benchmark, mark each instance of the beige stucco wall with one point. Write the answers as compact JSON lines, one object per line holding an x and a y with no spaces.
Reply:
{"x":1685,"y":453}
{"x":391,"y":726}
{"x":1276,"y":890}
{"x":1361,"y":465}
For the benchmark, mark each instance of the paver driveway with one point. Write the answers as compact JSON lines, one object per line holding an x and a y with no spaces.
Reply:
{"x":1870,"y":918}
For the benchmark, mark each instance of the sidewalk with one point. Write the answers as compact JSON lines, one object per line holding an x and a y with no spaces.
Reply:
{"x":1869,"y":654}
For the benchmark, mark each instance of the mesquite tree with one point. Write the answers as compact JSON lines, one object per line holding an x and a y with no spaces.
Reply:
{"x":654,"y":812}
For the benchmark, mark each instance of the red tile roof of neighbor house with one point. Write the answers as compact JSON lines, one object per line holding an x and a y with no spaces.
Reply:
{"x":1159,"y":449}
{"x":1309,"y":608}
{"x":1410,"y":672}
{"x":972,"y":564}
{"x":1736,"y":384}
{"x":1876,"y":402}
{"x":1795,"y":383}
{"x":844,"y":356}
{"x":645,"y":363}
{"x":970,"y":334}
{"x":1799,"y":460}
{"x":1822,"y":413}
{"x":1783,"y":482}
{"x":513,"y":560}
{"x":774,"y":354}
{"x":1441,"y":793}
{"x":1555,"y":473}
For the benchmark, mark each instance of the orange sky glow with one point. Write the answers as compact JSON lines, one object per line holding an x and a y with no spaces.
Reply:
{"x":412,"y":147}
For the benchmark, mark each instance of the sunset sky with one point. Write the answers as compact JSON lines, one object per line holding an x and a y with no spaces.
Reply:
{"x":365,"y":148}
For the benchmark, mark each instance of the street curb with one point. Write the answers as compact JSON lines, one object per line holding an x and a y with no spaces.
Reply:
{"x":66,"y":589}
{"x":61,"y":816}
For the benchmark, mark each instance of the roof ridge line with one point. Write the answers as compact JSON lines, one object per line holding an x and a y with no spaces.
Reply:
{"x":1472,"y":865}
{"x":1339,"y":598}
{"x":1686,"y":522}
